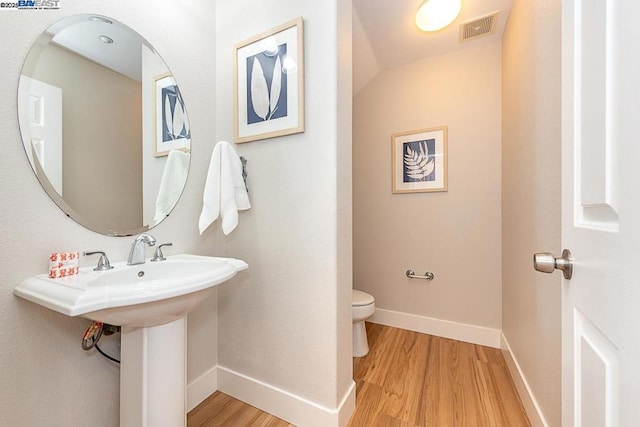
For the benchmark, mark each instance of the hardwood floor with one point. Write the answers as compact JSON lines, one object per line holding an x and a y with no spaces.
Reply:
{"x":408,"y":379}
{"x":413,"y":379}
{"x":221,"y":410}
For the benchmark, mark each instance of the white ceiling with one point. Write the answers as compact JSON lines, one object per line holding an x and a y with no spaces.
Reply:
{"x":82,"y":36}
{"x":385,"y":35}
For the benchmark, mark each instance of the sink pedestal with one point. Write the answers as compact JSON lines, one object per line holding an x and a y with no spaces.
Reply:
{"x":153,"y":375}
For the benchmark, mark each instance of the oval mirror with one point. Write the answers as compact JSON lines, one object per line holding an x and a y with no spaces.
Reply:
{"x":104,"y":125}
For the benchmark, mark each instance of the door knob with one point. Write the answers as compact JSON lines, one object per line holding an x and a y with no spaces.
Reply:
{"x":546,"y":263}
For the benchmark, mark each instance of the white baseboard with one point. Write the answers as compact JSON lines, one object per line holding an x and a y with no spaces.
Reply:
{"x":282,"y":404}
{"x":201,"y":388}
{"x":438,"y":327}
{"x":526,"y":395}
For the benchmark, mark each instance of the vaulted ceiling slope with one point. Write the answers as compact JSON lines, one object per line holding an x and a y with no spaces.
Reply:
{"x":385,"y":35}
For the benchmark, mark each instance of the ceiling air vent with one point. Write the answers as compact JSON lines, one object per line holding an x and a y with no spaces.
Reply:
{"x":479,"y":27}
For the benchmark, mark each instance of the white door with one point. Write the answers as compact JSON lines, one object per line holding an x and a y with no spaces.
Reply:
{"x":40,"y":116}
{"x":601,"y":213}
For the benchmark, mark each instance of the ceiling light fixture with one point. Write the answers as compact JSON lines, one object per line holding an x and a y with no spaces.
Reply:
{"x":434,"y":15}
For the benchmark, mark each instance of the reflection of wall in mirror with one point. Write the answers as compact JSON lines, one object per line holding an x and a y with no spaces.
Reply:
{"x":101,"y":112}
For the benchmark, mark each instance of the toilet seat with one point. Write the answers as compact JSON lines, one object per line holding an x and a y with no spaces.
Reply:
{"x":360,"y":298}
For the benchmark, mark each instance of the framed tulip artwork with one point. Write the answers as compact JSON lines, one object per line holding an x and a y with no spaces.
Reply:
{"x":419,"y":160}
{"x":269,"y":84}
{"x":171,"y":124}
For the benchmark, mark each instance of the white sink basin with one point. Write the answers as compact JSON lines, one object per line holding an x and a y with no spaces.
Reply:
{"x":150,"y":301}
{"x":149,"y":294}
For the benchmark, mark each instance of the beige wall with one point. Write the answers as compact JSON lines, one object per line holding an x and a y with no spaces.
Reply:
{"x":454,"y":234}
{"x":531,"y":196}
{"x":365,"y":64}
{"x":102,"y":138}
{"x":287,"y":322}
{"x":46,"y":378}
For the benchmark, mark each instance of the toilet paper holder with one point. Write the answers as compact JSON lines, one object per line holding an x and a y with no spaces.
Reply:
{"x":427,"y":276}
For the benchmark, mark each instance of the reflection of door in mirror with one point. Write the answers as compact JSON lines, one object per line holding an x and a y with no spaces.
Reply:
{"x":42,"y":116}
{"x":101,"y":116}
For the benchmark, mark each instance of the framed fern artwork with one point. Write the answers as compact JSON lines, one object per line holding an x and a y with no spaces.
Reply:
{"x":171,"y":124}
{"x":420,"y":160}
{"x":269,"y":84}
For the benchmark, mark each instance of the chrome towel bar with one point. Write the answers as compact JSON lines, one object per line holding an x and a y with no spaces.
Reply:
{"x":427,"y":276}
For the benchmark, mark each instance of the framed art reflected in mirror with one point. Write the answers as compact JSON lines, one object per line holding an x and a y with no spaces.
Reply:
{"x":171,"y":124}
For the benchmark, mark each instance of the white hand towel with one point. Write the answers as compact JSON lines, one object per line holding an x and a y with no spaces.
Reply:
{"x":224,"y":191}
{"x":172,"y":183}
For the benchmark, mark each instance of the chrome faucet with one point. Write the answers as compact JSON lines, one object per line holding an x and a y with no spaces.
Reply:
{"x":103,"y":262}
{"x":136,"y":254}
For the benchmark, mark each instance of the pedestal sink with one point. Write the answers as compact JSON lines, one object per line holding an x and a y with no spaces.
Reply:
{"x":150,"y":301}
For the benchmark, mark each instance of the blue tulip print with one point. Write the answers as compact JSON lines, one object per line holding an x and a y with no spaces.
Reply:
{"x":266,"y":86}
{"x":174,"y":116}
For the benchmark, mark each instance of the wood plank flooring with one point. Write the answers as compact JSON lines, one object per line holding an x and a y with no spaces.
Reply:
{"x":221,"y":410}
{"x":412,"y":379}
{"x":408,"y":379}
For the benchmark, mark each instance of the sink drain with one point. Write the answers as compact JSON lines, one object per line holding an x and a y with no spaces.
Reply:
{"x":140,"y":273}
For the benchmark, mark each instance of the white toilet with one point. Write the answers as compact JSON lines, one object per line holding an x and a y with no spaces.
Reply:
{"x":362,"y":307}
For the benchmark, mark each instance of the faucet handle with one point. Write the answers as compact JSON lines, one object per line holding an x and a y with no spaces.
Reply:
{"x":103,"y":262}
{"x":158,"y":255}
